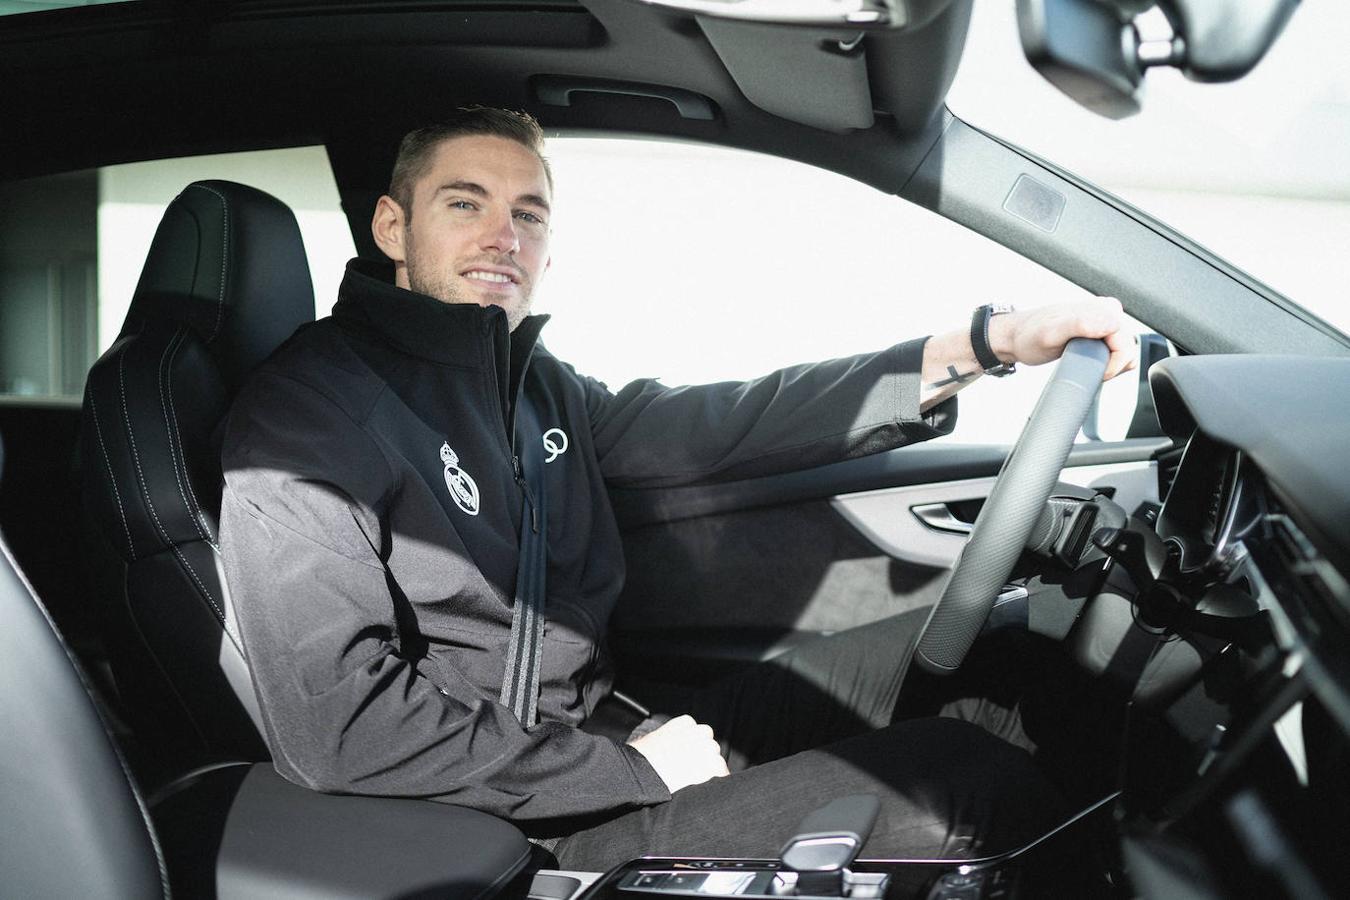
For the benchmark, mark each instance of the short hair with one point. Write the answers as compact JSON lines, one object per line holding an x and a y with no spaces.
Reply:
{"x":418,"y":146}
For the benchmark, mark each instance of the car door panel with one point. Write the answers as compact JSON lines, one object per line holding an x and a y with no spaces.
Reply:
{"x":726,"y":574}
{"x":927,"y":524}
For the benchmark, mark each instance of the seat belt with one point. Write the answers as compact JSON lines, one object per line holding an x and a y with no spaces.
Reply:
{"x":520,"y":682}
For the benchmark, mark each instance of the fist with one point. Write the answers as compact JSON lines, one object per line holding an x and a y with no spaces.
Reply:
{"x":682,"y":752}
{"x":1036,"y":336}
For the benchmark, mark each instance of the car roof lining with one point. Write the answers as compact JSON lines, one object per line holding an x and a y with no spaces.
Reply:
{"x":155,"y":80}
{"x":191,"y":78}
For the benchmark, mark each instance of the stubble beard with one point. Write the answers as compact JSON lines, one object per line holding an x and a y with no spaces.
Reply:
{"x":440,"y":284}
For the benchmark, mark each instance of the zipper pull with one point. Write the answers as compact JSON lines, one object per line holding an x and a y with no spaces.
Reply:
{"x":529,"y":496}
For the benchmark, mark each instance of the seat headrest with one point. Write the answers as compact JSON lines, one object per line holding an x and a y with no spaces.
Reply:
{"x":227,"y":262}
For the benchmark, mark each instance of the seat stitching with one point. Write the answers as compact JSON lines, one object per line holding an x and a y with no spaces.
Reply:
{"x":210,"y":598}
{"x":112,"y":479}
{"x":145,"y":492}
{"x":224,"y":254}
{"x":171,"y":420}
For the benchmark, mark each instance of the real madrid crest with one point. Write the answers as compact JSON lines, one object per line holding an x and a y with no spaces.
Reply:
{"x":463,"y":489}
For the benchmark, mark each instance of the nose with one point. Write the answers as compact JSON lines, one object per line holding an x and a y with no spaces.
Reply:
{"x":499,"y":233}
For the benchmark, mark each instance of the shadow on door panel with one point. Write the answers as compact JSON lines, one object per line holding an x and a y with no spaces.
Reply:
{"x":707,"y":594}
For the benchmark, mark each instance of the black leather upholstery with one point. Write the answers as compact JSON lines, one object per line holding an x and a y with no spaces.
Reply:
{"x":74,"y":825}
{"x":245,"y":832}
{"x":225,"y":282}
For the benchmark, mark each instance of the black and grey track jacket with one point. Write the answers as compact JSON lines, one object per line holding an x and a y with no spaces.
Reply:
{"x":370,"y":529}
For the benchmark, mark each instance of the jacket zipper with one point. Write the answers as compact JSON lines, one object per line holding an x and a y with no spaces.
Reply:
{"x":529,"y":495}
{"x":509,"y":423}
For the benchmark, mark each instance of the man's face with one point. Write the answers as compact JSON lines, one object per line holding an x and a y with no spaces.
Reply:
{"x":478,"y":229}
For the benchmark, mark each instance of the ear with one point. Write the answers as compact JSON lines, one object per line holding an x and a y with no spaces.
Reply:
{"x":387,"y":228}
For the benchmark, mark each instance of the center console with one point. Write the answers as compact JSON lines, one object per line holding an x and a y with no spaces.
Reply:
{"x":654,"y":878}
{"x":819,"y":864}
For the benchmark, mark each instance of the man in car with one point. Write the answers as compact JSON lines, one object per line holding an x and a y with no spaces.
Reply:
{"x":397,"y":474}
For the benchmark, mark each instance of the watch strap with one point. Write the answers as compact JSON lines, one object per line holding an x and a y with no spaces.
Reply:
{"x":979,"y":340}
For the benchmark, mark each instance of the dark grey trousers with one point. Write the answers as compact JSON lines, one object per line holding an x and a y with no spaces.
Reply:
{"x":816,"y":723}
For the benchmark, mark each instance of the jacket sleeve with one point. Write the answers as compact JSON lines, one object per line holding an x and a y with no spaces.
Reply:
{"x":346,"y":708}
{"x":650,"y":435}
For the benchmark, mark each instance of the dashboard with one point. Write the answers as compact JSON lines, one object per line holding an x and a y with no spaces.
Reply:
{"x":1262,"y":496}
{"x":1255,"y":595}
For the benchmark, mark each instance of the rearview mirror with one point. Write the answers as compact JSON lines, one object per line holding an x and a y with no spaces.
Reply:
{"x":1092,"y":50}
{"x":1085,"y":49}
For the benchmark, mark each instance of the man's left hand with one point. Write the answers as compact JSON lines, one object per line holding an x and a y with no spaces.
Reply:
{"x":1036,"y":336}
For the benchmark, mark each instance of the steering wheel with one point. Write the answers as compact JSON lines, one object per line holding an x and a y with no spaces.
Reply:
{"x":1024,"y":484}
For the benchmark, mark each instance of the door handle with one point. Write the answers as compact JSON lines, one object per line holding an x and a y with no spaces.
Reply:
{"x":938,"y":516}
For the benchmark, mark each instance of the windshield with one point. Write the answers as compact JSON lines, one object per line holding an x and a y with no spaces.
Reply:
{"x":1255,"y":170}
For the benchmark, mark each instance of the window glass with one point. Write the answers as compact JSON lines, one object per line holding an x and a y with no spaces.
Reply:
{"x":48,"y":284}
{"x":1253,"y":169}
{"x":72,"y":247}
{"x":697,"y":264}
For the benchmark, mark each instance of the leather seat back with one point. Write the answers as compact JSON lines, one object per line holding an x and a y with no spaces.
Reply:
{"x":225,"y":282}
{"x":74,"y":824}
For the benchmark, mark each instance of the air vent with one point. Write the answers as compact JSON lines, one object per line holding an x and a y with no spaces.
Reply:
{"x":1168,"y":463}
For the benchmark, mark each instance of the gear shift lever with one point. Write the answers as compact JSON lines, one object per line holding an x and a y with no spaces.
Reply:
{"x":827,"y":842}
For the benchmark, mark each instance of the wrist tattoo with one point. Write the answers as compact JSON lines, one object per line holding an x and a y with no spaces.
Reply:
{"x":954,"y":377}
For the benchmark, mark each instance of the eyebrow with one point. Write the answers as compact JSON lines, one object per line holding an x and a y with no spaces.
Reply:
{"x":471,"y":187}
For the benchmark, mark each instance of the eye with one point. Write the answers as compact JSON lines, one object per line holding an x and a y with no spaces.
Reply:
{"x":527,"y":216}
{"x":462,"y":204}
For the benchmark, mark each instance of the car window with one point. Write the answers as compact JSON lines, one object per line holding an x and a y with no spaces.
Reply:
{"x":1254,"y":169}
{"x":696,"y":264}
{"x":72,"y":247}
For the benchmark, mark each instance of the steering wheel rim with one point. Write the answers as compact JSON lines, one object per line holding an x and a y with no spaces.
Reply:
{"x":1001,"y":531}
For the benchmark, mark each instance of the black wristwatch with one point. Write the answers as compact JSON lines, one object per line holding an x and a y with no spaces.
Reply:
{"x":979,"y":339}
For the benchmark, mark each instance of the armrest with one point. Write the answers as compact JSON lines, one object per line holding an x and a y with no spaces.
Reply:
{"x":245,"y":831}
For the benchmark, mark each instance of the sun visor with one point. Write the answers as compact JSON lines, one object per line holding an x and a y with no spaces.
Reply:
{"x":817,"y":77}
{"x":837,"y":79}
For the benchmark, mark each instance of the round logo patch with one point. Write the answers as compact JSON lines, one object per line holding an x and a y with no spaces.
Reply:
{"x":463,"y":489}
{"x":555,"y":443}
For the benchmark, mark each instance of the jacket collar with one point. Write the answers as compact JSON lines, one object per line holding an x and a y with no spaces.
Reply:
{"x":458,"y":334}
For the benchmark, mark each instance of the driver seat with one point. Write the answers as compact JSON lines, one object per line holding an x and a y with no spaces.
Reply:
{"x":225,"y":282}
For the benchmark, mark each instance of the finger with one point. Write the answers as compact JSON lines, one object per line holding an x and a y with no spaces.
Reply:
{"x":1122,"y":355}
{"x":680,"y":723}
{"x":705,"y":732}
{"x":1114,"y":366}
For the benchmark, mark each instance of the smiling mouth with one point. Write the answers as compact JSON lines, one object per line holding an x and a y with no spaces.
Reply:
{"x":489,"y":278}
